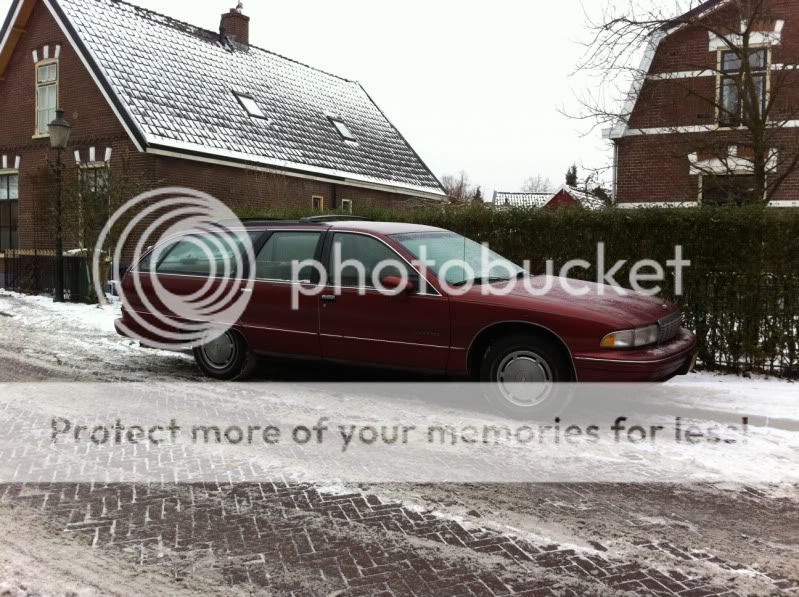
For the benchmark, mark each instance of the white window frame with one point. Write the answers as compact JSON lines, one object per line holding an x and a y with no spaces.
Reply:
{"x":9,"y":173}
{"x":346,"y":206}
{"x":342,"y":128}
{"x":41,"y":128}
{"x":721,"y":76}
{"x":320,"y":199}
{"x":247,"y":101}
{"x":93,"y":167}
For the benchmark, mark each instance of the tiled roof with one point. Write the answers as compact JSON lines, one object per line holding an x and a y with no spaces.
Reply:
{"x":695,"y":12}
{"x":587,"y":200}
{"x":538,"y":200}
{"x":528,"y":200}
{"x":174,"y":84}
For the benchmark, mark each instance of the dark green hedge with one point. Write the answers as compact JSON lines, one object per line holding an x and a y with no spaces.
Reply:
{"x":741,"y":292}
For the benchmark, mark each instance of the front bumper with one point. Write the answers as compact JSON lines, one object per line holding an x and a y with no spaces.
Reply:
{"x":653,"y":364}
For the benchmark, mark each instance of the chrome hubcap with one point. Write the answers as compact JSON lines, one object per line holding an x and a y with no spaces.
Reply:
{"x":220,"y":352}
{"x":525,"y":378}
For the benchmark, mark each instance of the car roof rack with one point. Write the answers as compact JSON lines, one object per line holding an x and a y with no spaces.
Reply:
{"x":323,"y":219}
{"x":257,"y":221}
{"x":309,"y":220}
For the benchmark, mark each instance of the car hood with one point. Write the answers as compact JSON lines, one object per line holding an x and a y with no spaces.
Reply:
{"x":598,"y":301}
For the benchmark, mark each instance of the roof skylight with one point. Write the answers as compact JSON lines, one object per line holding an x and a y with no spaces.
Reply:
{"x":342,"y":129}
{"x":248,"y":103}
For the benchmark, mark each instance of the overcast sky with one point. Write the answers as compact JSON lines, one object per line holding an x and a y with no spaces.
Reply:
{"x":473,"y":86}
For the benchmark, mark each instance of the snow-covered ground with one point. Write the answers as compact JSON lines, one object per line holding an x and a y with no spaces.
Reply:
{"x":58,"y":342}
{"x":770,"y":397}
{"x":43,"y":341}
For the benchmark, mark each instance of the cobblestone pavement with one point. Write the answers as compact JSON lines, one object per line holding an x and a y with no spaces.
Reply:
{"x":295,"y":540}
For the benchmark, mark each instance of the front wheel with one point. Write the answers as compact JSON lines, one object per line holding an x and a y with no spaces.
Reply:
{"x":225,"y":357}
{"x":522,"y":374}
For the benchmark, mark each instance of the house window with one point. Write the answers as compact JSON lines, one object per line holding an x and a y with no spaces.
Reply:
{"x":342,"y":129}
{"x":94,"y":197}
{"x":733,"y":85}
{"x":9,"y":202}
{"x":248,"y":103}
{"x":94,"y":179}
{"x":318,"y":203}
{"x":346,"y":206}
{"x":728,"y":190}
{"x":46,"y":95}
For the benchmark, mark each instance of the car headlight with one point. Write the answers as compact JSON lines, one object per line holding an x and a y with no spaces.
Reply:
{"x":632,"y":338}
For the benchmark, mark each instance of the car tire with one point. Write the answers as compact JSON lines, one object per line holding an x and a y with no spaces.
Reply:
{"x":226,"y":358}
{"x":523,"y":359}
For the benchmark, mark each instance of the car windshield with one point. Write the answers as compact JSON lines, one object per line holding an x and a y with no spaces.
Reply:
{"x":459,"y":259}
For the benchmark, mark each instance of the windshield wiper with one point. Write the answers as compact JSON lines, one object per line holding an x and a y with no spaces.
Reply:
{"x":491,"y":280}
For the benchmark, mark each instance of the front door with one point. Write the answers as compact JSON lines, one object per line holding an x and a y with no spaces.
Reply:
{"x":360,"y":324}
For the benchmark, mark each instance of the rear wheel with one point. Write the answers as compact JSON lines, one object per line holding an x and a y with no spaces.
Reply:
{"x":522,"y":373}
{"x":225,"y":357}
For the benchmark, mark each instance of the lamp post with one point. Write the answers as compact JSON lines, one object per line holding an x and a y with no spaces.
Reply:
{"x":59,"y":131}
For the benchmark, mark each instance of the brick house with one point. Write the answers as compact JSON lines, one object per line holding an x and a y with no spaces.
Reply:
{"x":682,"y":141}
{"x":183,"y":106}
{"x":565,"y":196}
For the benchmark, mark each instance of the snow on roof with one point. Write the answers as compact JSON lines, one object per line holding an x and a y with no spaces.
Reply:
{"x":528,"y":200}
{"x":178,"y":88}
{"x":587,"y":200}
{"x":538,"y":200}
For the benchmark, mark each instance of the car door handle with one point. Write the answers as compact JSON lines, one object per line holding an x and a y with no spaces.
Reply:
{"x":247,"y":290}
{"x":328,"y":298}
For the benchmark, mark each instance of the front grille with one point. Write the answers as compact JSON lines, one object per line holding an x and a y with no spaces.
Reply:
{"x":669,"y":327}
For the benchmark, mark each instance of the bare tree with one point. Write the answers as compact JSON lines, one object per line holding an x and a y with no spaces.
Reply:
{"x":748,"y":100}
{"x":92,"y":194}
{"x":459,"y":188}
{"x":537,"y":184}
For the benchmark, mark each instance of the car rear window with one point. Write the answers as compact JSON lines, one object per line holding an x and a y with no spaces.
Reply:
{"x":217,"y":255}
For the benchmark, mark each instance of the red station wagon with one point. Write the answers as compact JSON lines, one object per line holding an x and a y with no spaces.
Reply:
{"x":518,"y":336}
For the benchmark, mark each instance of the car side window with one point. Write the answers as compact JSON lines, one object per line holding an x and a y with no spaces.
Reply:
{"x":371,"y":253}
{"x":275,"y":260}
{"x":219,"y":255}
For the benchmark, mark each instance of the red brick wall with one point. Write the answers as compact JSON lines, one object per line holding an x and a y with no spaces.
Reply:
{"x":95,"y":125}
{"x":656,"y":167}
{"x":562,"y":199}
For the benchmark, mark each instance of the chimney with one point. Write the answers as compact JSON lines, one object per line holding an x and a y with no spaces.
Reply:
{"x":236,"y":25}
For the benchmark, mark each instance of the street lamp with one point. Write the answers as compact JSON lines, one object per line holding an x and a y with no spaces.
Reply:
{"x":59,"y":131}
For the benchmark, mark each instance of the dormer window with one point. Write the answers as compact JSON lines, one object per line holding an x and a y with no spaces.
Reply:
{"x":342,"y":129}
{"x":46,"y":95}
{"x":248,"y":103}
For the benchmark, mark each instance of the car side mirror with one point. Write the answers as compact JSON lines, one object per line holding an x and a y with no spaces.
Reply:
{"x":397,"y":283}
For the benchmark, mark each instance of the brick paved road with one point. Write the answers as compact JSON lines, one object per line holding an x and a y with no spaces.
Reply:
{"x":294,"y":540}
